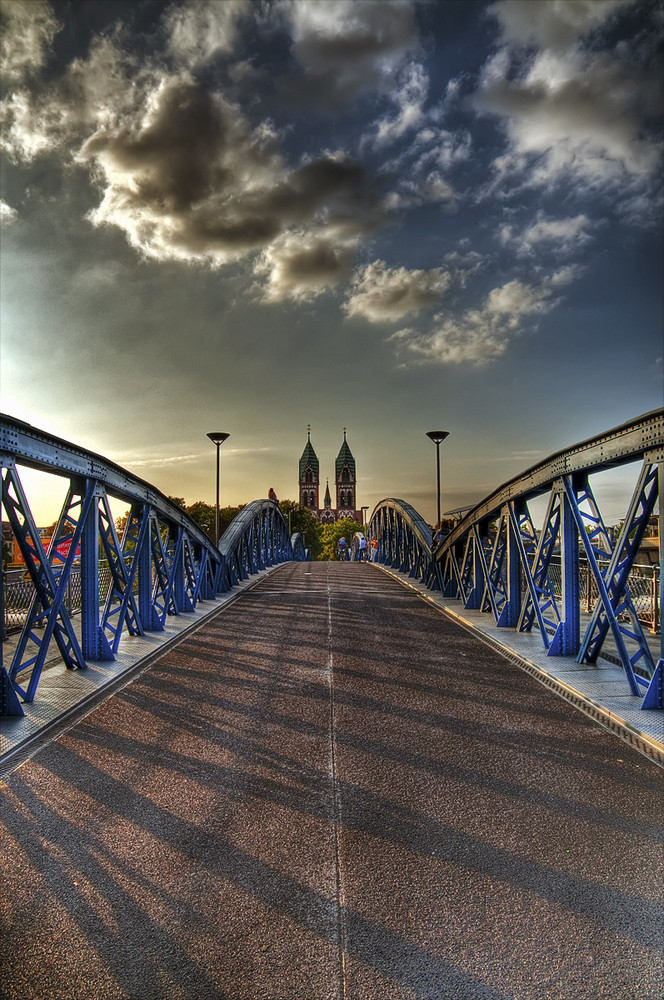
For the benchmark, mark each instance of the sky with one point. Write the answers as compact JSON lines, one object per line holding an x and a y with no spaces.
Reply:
{"x":390,"y":217}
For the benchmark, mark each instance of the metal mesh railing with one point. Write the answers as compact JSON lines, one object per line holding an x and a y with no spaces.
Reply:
{"x":19,"y":594}
{"x":643,"y":584}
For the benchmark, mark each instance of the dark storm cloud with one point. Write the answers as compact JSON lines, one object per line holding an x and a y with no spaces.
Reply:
{"x":194,"y":180}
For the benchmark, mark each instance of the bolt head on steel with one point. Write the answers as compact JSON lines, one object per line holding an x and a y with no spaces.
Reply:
{"x":437,"y":436}
{"x":218,"y":437}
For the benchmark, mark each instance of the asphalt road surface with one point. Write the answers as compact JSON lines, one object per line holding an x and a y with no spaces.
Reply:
{"x":332,"y":791}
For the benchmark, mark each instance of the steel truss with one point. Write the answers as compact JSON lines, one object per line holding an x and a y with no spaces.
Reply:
{"x":404,"y":540}
{"x":163,"y":565}
{"x":494,"y":560}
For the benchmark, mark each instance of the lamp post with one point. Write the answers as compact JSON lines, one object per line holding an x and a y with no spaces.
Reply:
{"x":217,"y":438}
{"x":363,"y":516}
{"x":437,"y":437}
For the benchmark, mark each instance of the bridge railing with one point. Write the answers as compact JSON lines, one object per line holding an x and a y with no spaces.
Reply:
{"x":404,"y":540}
{"x":299,"y":547}
{"x":163,"y":565}
{"x":495,"y":561}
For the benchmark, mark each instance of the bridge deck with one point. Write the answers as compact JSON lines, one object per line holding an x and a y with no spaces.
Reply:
{"x":332,"y":791}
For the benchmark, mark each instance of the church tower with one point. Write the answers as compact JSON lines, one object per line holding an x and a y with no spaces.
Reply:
{"x":346,"y":482}
{"x":309,"y":477}
{"x":327,"y":514}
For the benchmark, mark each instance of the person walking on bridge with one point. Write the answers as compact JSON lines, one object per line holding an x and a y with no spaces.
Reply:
{"x":342,"y":549}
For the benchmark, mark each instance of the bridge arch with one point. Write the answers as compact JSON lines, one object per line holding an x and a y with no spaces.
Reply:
{"x":164,"y":564}
{"x":495,"y":561}
{"x":404,"y":539}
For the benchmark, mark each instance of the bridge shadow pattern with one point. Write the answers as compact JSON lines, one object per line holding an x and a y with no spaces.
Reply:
{"x":332,"y":791}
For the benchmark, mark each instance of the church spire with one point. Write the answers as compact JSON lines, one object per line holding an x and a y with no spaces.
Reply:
{"x":345,"y":481}
{"x":309,"y":475}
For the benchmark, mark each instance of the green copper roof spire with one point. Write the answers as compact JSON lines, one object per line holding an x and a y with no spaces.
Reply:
{"x":345,"y":457}
{"x":309,"y":456}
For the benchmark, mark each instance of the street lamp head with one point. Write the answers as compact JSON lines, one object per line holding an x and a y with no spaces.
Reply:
{"x":437,"y":436}
{"x":218,"y":437}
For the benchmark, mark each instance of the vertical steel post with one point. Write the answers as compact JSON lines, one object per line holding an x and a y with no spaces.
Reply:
{"x":145,"y":573}
{"x":660,"y":484}
{"x":177,"y":571}
{"x":570,"y":581}
{"x":567,"y":639}
{"x":91,"y":639}
{"x":509,"y":615}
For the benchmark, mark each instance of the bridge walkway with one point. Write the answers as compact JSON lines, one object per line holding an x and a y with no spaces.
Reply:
{"x":332,"y":790}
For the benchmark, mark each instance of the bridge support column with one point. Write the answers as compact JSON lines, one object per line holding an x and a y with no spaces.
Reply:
{"x":509,"y":616}
{"x":94,"y":643}
{"x":149,"y":619}
{"x":567,"y":637}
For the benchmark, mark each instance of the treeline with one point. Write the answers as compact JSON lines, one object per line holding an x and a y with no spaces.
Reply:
{"x":320,"y":539}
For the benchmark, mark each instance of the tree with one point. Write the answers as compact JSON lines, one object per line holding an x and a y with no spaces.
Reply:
{"x":331,"y":533}
{"x":302,"y":520}
{"x":203,"y":514}
{"x":121,"y":524}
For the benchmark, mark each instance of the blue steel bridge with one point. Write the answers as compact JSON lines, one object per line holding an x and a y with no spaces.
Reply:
{"x":231,"y":772}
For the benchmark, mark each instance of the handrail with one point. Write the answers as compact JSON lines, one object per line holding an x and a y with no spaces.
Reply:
{"x":403,"y":537}
{"x":626,"y":443}
{"x":495,"y":561}
{"x":36,"y":449}
{"x":164,"y":564}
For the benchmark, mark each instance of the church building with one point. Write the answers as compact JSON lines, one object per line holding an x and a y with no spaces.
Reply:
{"x":345,"y":484}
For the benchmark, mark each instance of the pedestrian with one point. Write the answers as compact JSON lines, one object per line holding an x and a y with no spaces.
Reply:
{"x":342,"y":549}
{"x":363,"y":548}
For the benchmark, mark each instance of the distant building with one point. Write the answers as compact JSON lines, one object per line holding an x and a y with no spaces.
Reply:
{"x":345,"y":482}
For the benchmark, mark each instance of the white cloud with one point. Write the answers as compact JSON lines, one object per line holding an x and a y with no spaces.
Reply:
{"x":573,"y":115}
{"x":481,"y":335}
{"x":570,"y":111}
{"x":383,"y":294}
{"x":199,"y":30}
{"x":562,"y":236}
{"x":350,"y":47}
{"x":431,"y":189}
{"x":423,"y":169}
{"x":410,"y":100}
{"x":92,"y":93}
{"x":554,"y":24}
{"x":7,"y":214}
{"x":27,"y":28}
{"x":300,"y":266}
